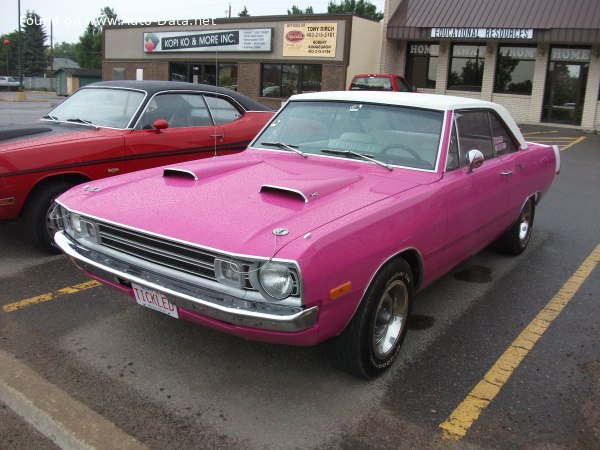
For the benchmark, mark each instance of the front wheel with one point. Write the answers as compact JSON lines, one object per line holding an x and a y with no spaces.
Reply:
{"x":40,"y":225}
{"x":515,"y":240}
{"x":372,"y":339}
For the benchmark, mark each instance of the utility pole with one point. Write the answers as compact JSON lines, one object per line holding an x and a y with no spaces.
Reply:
{"x":20,"y":50}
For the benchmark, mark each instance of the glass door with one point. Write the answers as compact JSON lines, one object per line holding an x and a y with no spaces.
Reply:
{"x":565,"y":86}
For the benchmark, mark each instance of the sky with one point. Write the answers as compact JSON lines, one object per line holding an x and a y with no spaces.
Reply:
{"x":69,"y":17}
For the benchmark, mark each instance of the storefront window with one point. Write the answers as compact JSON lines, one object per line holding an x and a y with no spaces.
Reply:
{"x":284,"y":80}
{"x":514,"y":70}
{"x":228,"y":75}
{"x":205,"y":73}
{"x":179,"y":72}
{"x":466,"y":69}
{"x":421,"y":64}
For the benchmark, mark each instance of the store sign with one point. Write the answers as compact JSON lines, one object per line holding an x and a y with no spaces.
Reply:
{"x":313,"y":40}
{"x":242,"y":40}
{"x":482,"y":33}
{"x":424,"y":49}
{"x":522,"y":53}
{"x":570,"y":54}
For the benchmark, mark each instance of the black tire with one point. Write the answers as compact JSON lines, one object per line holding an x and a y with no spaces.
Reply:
{"x":372,"y":339}
{"x":515,"y":240}
{"x":38,"y":224}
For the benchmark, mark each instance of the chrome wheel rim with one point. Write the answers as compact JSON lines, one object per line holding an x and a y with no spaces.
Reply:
{"x":525,"y":224}
{"x":52,"y":221}
{"x":390,"y":319}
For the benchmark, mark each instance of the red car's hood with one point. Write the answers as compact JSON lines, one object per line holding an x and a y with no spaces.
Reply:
{"x":234,"y":203}
{"x":41,"y":133}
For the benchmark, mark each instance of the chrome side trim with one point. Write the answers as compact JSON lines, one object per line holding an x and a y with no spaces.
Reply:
{"x":213,"y":304}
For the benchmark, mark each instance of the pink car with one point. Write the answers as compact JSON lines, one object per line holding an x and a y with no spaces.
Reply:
{"x":344,"y":206}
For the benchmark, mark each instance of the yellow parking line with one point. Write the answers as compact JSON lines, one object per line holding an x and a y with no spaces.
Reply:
{"x":539,"y":132}
{"x":11,"y":307}
{"x":576,"y":141}
{"x":461,"y":419}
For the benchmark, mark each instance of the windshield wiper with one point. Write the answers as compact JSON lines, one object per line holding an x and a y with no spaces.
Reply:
{"x":364,"y":156}
{"x":82,"y":121}
{"x":293,"y":148}
{"x":48,"y":116}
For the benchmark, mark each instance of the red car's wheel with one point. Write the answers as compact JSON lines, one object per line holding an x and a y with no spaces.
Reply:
{"x":39,"y":222}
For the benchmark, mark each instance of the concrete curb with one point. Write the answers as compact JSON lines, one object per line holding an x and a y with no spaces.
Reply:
{"x":62,"y":419}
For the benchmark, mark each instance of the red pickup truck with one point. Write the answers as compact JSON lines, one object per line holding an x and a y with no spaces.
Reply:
{"x":381,"y":82}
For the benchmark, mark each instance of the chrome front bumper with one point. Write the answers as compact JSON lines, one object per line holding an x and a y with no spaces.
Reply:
{"x":192,"y":297}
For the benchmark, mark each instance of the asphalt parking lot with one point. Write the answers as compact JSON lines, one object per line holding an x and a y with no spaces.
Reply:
{"x":501,"y":353}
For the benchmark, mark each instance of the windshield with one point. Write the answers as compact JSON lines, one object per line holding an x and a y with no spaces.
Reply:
{"x":393,"y":135}
{"x":102,"y":107}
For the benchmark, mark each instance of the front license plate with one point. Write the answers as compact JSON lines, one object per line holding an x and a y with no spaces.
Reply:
{"x":154,"y":300}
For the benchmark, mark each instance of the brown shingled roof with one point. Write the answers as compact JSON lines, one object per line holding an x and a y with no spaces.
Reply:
{"x":555,"y":20}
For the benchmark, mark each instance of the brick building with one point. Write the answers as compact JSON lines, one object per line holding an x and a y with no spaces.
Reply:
{"x":266,"y":58}
{"x":538,"y":58}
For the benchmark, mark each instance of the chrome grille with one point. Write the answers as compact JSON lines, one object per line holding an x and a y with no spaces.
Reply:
{"x":166,"y":253}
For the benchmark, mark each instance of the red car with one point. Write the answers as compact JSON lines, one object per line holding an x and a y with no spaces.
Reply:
{"x":115,"y":127}
{"x":381,"y":82}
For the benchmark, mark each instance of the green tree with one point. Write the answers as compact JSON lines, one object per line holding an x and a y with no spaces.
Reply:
{"x":10,"y":52}
{"x":504,"y":69}
{"x":361,"y":8}
{"x":34,"y":37}
{"x":244,"y":12}
{"x":88,"y":51}
{"x":298,"y":11}
{"x":65,"y":50}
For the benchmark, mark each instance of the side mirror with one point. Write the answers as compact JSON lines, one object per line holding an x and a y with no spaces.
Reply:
{"x":474,"y":159}
{"x":160,"y":124}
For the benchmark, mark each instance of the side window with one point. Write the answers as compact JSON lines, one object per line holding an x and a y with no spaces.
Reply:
{"x":474,"y":132}
{"x":402,"y":85}
{"x":180,"y":110}
{"x":503,"y":142}
{"x":453,"y":161}
{"x":222,"y":110}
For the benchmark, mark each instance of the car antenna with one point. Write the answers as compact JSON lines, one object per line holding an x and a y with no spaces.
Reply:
{"x":215,"y":121}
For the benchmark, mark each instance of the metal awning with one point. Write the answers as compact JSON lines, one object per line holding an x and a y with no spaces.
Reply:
{"x":557,"y":21}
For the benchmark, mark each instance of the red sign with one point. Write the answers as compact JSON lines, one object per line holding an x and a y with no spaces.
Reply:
{"x":294,"y":36}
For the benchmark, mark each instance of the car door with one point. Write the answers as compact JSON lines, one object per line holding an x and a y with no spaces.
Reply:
{"x":191,"y":132}
{"x":478,"y":199}
{"x":522,"y":167}
{"x":236,"y":129}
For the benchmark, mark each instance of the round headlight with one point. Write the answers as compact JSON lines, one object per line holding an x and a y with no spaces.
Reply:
{"x":276,"y":280}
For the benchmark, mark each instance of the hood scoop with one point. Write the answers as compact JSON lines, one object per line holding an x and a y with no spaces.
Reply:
{"x":308,"y":190}
{"x":180,"y":173}
{"x":202,"y":169}
{"x":12,"y":133}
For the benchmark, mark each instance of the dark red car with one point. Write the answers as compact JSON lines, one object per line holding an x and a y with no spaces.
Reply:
{"x":114,"y":127}
{"x":381,"y":82}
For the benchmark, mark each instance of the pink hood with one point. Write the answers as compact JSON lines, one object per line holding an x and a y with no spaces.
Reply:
{"x":233,"y":203}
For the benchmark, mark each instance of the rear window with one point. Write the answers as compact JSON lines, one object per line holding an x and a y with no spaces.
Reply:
{"x":371,"y":84}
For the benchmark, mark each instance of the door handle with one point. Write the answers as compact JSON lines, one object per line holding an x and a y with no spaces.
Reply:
{"x":506,"y":173}
{"x":217,"y":136}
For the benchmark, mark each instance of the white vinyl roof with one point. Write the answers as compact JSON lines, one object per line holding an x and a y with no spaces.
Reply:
{"x":416,"y":100}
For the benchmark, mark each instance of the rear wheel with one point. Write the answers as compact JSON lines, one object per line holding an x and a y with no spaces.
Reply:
{"x":372,"y":339}
{"x":39,"y":216}
{"x":515,"y":240}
